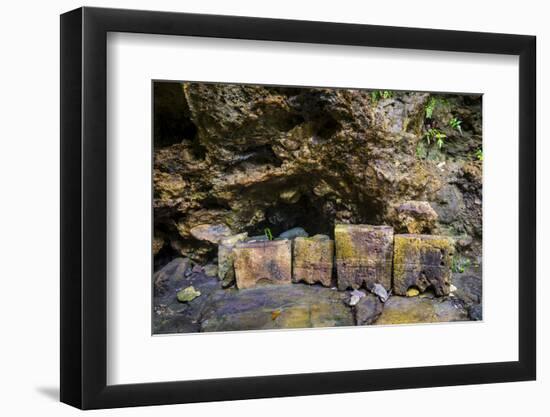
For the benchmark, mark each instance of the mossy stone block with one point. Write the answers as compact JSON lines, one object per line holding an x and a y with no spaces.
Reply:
{"x":422,"y":262}
{"x":313,"y":260}
{"x":363,"y":255}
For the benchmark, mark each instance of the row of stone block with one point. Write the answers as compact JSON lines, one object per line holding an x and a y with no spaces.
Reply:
{"x":365,"y":255}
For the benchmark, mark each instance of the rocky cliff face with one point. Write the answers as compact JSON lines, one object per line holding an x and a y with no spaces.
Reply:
{"x":256,"y":157}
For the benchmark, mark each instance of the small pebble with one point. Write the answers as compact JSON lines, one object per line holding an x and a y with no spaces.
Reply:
{"x":412,"y":292}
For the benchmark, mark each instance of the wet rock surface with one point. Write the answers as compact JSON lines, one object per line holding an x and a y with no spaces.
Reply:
{"x":468,"y":287}
{"x":167,"y":280}
{"x":475,"y":312}
{"x":409,"y":310}
{"x":171,"y":315}
{"x":294,"y":305}
{"x":264,"y":307}
{"x":276,"y":307}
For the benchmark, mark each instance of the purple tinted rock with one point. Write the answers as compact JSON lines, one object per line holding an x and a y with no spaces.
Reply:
{"x":363,"y":255}
{"x":258,"y":263}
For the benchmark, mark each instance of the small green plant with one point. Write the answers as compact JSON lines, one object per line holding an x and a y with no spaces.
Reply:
{"x":380,"y":94}
{"x":268,"y":233}
{"x":430,"y":106}
{"x":455,"y":124}
{"x":460,"y":264}
{"x":434,"y":102}
{"x":435,"y":135}
{"x":479,"y":155}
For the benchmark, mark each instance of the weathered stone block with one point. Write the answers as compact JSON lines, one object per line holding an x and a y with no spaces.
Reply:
{"x":313,"y":260}
{"x":258,"y":263}
{"x":363,"y":255}
{"x":422,"y":261}
{"x":226,"y":257}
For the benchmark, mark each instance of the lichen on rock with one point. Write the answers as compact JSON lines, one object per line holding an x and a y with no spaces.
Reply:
{"x":416,"y":217}
{"x":187,"y":294}
{"x":409,"y":310}
{"x":313,"y":260}
{"x":422,"y":262}
{"x":363,"y":255}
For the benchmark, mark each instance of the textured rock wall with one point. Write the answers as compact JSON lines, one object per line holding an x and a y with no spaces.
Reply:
{"x":251,"y":157}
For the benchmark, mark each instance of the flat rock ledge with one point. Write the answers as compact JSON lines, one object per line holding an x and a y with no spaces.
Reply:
{"x":411,"y":310}
{"x":282,"y":306}
{"x":276,"y":307}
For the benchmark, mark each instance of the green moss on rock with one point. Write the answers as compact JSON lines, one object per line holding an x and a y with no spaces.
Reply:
{"x":188,"y":294}
{"x":313,"y":260}
{"x":422,"y":261}
{"x":363,"y":255}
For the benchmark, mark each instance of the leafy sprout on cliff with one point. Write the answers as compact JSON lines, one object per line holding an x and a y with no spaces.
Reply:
{"x":435,"y":135}
{"x":455,"y":124}
{"x":380,"y":94}
{"x":430,"y":106}
{"x":268,"y":233}
{"x":479,"y":155}
{"x":460,"y":264}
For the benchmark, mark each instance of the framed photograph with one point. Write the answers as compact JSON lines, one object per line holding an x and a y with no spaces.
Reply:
{"x":256,"y":208}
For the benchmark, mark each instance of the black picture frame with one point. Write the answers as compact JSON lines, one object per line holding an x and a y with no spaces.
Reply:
{"x":84,"y":207}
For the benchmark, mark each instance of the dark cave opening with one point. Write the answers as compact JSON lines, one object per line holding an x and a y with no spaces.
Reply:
{"x":328,"y":128}
{"x":304,"y":213}
{"x":316,"y":215}
{"x":171,"y":116}
{"x":309,"y":200}
{"x":172,"y":123}
{"x":164,"y":256}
